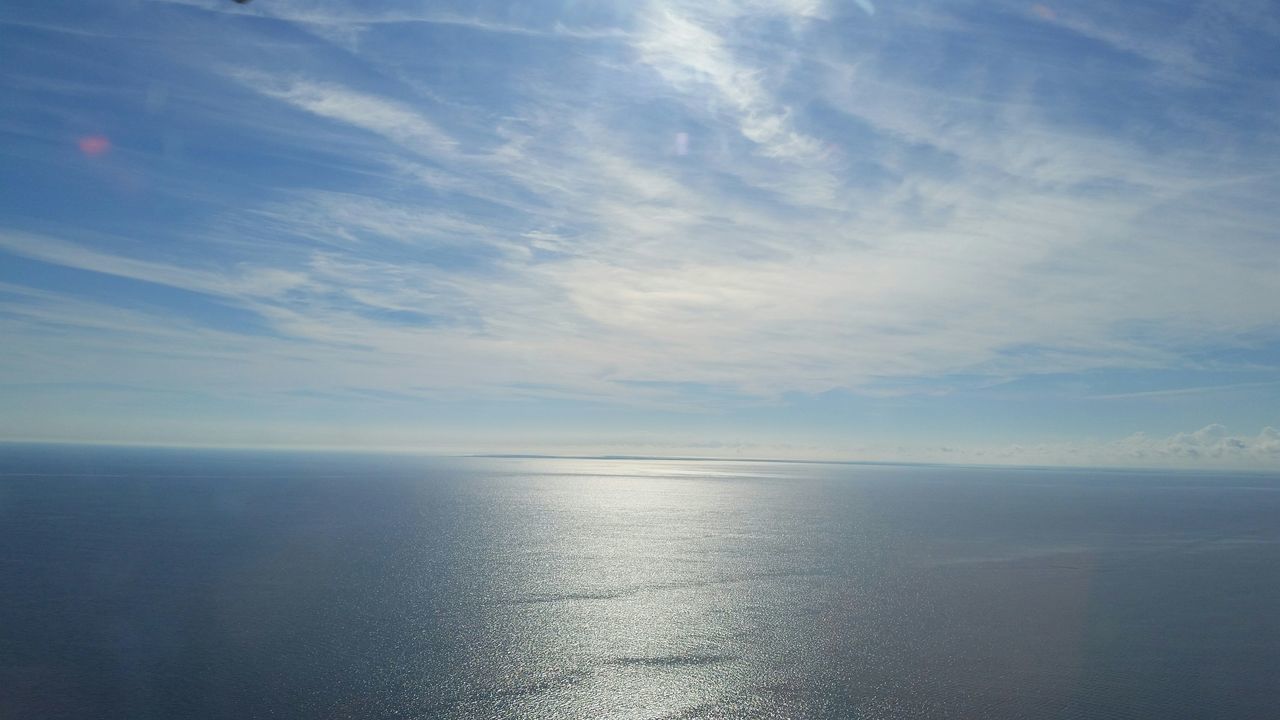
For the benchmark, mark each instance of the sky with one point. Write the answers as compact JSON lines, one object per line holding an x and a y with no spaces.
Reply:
{"x":978,"y":231}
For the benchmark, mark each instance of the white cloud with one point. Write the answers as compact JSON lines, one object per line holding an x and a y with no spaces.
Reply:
{"x":694,"y":58}
{"x":549,"y":236}
{"x":1212,"y":447}
{"x":1209,"y":445}
{"x":235,"y":282}
{"x":345,"y":18}
{"x":394,"y":120}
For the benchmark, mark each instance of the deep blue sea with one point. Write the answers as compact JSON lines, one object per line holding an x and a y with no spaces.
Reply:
{"x":173,"y":584}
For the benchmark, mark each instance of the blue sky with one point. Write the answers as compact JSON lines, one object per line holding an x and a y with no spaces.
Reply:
{"x":942,"y":231}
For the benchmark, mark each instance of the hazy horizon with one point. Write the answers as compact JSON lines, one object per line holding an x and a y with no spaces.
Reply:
{"x":728,"y":453}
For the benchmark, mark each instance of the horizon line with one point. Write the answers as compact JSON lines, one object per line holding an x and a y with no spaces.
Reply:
{"x":401,"y":450}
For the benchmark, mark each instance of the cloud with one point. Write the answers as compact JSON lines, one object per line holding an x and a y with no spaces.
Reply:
{"x":1212,"y":447}
{"x":1210,"y":444}
{"x":241,"y":282}
{"x":342,"y":15}
{"x":694,"y":58}
{"x":764,"y":198}
{"x":393,"y":120}
{"x":1177,"y":61}
{"x":1177,"y":392}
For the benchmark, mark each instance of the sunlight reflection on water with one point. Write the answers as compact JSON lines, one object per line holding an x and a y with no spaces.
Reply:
{"x":523,"y":588}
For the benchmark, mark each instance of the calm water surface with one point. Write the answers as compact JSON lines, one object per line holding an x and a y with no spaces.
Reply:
{"x":180,"y":584}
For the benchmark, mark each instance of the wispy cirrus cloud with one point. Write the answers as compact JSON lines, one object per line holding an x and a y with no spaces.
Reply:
{"x":393,"y":120}
{"x":757,"y":199}
{"x":695,"y":59}
{"x":346,"y":26}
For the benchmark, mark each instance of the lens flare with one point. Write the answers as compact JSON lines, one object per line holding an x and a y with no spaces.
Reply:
{"x":94,"y":145}
{"x":1045,"y":12}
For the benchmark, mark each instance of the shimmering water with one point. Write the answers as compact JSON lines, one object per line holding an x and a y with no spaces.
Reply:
{"x":177,"y":584}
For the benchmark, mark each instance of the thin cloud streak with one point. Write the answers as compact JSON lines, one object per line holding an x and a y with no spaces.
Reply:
{"x":1177,"y":392}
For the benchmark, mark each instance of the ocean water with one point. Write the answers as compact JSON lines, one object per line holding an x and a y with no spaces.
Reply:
{"x":179,"y":584}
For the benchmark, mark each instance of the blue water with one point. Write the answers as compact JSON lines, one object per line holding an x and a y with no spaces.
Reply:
{"x":181,"y":584}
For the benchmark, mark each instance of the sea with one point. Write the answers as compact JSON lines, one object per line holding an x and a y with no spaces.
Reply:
{"x":165,"y":583}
